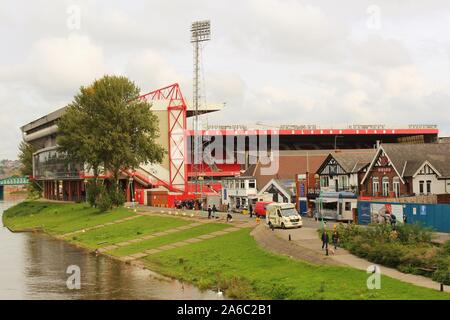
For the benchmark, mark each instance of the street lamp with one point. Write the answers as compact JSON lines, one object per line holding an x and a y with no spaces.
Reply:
{"x":200,"y":32}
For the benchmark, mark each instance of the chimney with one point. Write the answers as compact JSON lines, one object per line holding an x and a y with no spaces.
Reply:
{"x":378,"y":144}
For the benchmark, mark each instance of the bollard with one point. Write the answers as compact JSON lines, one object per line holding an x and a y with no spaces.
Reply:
{"x":442,"y":287}
{"x":289,"y":237}
{"x":326,"y":250}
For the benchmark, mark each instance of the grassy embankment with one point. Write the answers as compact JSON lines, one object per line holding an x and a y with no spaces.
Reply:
{"x":170,"y":238}
{"x":233,"y":262}
{"x":55,"y":218}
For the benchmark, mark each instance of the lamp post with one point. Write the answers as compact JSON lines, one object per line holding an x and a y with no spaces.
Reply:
{"x":200,"y":32}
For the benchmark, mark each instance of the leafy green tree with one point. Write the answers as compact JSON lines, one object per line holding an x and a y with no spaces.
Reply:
{"x":107,"y":127}
{"x":26,"y":151}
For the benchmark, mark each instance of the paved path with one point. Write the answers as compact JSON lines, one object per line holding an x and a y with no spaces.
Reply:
{"x":174,"y":245}
{"x":148,"y":236}
{"x":98,"y":226}
{"x":306,"y":245}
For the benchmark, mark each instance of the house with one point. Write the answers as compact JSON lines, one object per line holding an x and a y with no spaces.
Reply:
{"x":290,"y":164}
{"x":399,"y":170}
{"x":281,"y":190}
{"x":343,"y":170}
{"x":237,"y":190}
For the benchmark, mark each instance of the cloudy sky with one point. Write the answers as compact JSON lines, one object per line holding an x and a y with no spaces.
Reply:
{"x":273,"y":61}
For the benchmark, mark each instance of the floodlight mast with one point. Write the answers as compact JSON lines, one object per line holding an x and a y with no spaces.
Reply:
{"x":200,"y":32}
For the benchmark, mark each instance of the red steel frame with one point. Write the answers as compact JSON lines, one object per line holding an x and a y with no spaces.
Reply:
{"x":177,"y":133}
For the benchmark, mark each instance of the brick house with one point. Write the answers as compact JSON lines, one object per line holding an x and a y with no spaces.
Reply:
{"x":399,"y":170}
{"x":344,"y":169}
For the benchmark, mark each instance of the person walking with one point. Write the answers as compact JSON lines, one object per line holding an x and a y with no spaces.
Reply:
{"x":214,"y":210}
{"x":250,"y":210}
{"x":335,"y":238}
{"x":209,"y":211}
{"x":393,"y":221}
{"x":325,"y":240}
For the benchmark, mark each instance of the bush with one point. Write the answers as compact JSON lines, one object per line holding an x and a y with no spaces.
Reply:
{"x":442,"y":276}
{"x":408,"y":248}
{"x":104,"y":201}
{"x":446,"y":248}
{"x":117,"y":197}
{"x":413,"y":233}
{"x":94,"y":189}
{"x":34,"y":191}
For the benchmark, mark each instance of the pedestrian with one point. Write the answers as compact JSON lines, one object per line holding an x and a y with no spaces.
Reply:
{"x":214,"y":210}
{"x":250,"y":210}
{"x":404,"y":219}
{"x":228,"y":207}
{"x":325,"y":240}
{"x":335,"y":238}
{"x":393,"y":221}
{"x":209,"y":211}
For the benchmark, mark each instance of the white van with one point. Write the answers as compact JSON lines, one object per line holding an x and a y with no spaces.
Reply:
{"x":283,"y":215}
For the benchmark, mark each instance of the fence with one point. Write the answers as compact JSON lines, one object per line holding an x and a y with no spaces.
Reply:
{"x":436,"y":216}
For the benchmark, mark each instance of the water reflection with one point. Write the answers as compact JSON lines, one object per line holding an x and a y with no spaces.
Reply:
{"x":33,"y":266}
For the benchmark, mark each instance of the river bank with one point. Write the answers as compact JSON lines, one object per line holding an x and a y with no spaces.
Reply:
{"x":33,"y":265}
{"x":209,"y":255}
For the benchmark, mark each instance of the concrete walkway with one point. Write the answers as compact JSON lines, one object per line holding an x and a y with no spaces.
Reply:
{"x":307,"y":243}
{"x":174,"y":245}
{"x":98,"y":226}
{"x":148,"y":236}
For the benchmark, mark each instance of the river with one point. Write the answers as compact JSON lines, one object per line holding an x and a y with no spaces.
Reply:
{"x":34,"y":266}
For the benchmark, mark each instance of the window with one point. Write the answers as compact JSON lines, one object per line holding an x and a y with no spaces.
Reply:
{"x":375,"y":186}
{"x":343,"y":183}
{"x":242,"y":182}
{"x":428,"y":186}
{"x":348,"y":206}
{"x":421,"y":182}
{"x":325,"y":182}
{"x":252,"y":184}
{"x":385,"y":186}
{"x":396,"y":186}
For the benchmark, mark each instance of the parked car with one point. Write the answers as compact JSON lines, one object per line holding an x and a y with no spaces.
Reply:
{"x":283,"y":215}
{"x":261,"y":208}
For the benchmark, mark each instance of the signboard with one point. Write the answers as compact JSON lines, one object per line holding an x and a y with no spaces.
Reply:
{"x":364,"y":213}
{"x":380,"y":213}
{"x":423,"y":210}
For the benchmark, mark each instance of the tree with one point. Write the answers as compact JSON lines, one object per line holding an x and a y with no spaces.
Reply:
{"x":26,"y":151}
{"x":107,"y":126}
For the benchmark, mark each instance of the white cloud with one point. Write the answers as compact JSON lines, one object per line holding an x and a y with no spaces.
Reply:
{"x":276,"y":61}
{"x":150,"y":70}
{"x":63,"y":64}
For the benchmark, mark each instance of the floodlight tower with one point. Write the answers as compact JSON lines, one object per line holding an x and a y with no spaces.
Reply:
{"x":200,"y":32}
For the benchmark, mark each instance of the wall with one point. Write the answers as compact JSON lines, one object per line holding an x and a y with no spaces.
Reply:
{"x":437,"y":186}
{"x":436,"y":216}
{"x":163,"y":138}
{"x":367,"y":187}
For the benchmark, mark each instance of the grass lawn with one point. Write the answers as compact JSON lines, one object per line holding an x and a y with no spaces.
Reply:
{"x":58,"y":218}
{"x":170,"y":238}
{"x":126,"y":231}
{"x":236,"y":264}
